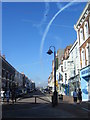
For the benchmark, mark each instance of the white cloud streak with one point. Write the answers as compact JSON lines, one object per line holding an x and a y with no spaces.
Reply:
{"x":50,"y":23}
{"x":59,"y":5}
{"x":39,"y":26}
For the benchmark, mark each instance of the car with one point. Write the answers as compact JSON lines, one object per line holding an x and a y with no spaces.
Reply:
{"x":35,"y":89}
{"x":19,"y":93}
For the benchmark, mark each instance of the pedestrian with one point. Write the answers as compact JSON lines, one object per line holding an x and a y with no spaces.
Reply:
{"x":7,"y":95}
{"x":2,"y":95}
{"x":75,"y":96}
{"x":13,"y":95}
{"x":80,"y":96}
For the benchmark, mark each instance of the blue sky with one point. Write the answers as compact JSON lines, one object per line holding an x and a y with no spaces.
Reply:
{"x":23,"y":26}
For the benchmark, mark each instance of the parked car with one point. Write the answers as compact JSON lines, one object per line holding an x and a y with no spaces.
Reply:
{"x":19,"y":93}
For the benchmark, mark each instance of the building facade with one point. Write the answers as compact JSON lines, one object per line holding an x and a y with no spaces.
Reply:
{"x":83,"y":34}
{"x":7,"y":74}
{"x":74,"y":76}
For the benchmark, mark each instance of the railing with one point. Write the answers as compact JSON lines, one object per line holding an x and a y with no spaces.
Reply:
{"x":39,"y":97}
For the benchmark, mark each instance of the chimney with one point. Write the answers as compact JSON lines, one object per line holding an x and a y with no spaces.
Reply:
{"x":4,"y":56}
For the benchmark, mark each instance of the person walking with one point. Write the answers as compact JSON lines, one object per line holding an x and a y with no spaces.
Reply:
{"x":80,"y":96}
{"x":2,"y":95}
{"x":13,"y":95}
{"x":8,"y":95}
{"x":75,"y":96}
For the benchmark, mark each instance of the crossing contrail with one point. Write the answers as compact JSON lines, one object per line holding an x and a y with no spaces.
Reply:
{"x":49,"y":24}
{"x":47,"y":7}
{"x":59,"y":5}
{"x":45,"y":13}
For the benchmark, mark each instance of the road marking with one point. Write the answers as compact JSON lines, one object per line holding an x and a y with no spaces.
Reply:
{"x":85,"y":109}
{"x":49,"y":98}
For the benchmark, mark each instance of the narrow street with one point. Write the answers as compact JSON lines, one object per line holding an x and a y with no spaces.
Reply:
{"x":27,"y":108}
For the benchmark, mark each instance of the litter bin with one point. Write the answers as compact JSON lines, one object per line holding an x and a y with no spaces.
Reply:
{"x":61,"y":97}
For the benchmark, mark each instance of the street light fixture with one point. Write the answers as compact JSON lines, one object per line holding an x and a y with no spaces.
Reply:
{"x":54,"y":97}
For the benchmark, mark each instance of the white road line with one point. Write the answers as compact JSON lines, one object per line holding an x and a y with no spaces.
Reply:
{"x":49,"y":98}
{"x":85,"y":109}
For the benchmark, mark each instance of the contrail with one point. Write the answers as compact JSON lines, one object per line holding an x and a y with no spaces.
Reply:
{"x":44,"y":17}
{"x":49,"y":24}
{"x":59,"y":5}
{"x":45,"y":13}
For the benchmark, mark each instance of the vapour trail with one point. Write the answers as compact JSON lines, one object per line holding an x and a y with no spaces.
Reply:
{"x":59,"y":5}
{"x":47,"y":7}
{"x":49,"y":24}
{"x":45,"y":13}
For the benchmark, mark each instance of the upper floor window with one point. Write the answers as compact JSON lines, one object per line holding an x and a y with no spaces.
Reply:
{"x":86,"y":30}
{"x":76,"y":51}
{"x":72,"y":56}
{"x":81,"y":35}
{"x":65,"y":65}
{"x":62,"y":68}
{"x":83,"y":57}
{"x":65,"y":77}
{"x":87,"y":54}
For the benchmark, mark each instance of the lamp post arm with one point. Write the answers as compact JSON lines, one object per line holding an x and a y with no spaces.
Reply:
{"x":53,"y":47}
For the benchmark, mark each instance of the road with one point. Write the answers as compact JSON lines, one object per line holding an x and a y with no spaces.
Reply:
{"x":27,"y":108}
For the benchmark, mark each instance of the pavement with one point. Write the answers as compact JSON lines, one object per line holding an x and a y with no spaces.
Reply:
{"x":26,"y":107}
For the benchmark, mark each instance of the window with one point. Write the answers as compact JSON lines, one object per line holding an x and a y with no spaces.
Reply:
{"x":65,"y":77}
{"x":76,"y":51}
{"x":65,"y":65}
{"x":83,"y":58}
{"x":81,"y":35}
{"x":62,"y":68}
{"x":86,"y":30}
{"x":72,"y":56}
{"x":87,"y":52}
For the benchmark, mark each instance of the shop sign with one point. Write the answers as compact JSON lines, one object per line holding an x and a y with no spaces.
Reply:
{"x":85,"y":72}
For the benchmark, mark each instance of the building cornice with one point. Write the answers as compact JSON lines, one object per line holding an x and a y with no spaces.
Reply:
{"x":83,"y":16}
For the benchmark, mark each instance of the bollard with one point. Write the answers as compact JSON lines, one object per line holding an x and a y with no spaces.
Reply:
{"x":35,"y":100}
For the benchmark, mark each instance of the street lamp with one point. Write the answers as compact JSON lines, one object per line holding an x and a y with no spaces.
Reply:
{"x":54,"y":97}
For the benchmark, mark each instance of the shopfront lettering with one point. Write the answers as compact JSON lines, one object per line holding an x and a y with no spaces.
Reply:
{"x":85,"y":71}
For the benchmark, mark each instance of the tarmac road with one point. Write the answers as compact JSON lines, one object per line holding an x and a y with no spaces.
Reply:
{"x":27,"y":108}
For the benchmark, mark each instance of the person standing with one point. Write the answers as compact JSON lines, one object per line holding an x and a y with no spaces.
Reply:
{"x":13,"y":95}
{"x":8,"y":95}
{"x":75,"y":96}
{"x":80,"y":96}
{"x":2,"y":95}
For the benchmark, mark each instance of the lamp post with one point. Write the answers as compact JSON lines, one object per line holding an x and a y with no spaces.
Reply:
{"x":54,"y":97}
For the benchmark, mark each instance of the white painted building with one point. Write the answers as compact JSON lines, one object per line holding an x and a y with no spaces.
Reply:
{"x":50,"y":83}
{"x":74,"y":61}
{"x":59,"y":78}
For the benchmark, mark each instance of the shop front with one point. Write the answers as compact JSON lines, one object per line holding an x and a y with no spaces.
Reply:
{"x":74,"y":83}
{"x":85,"y":83}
